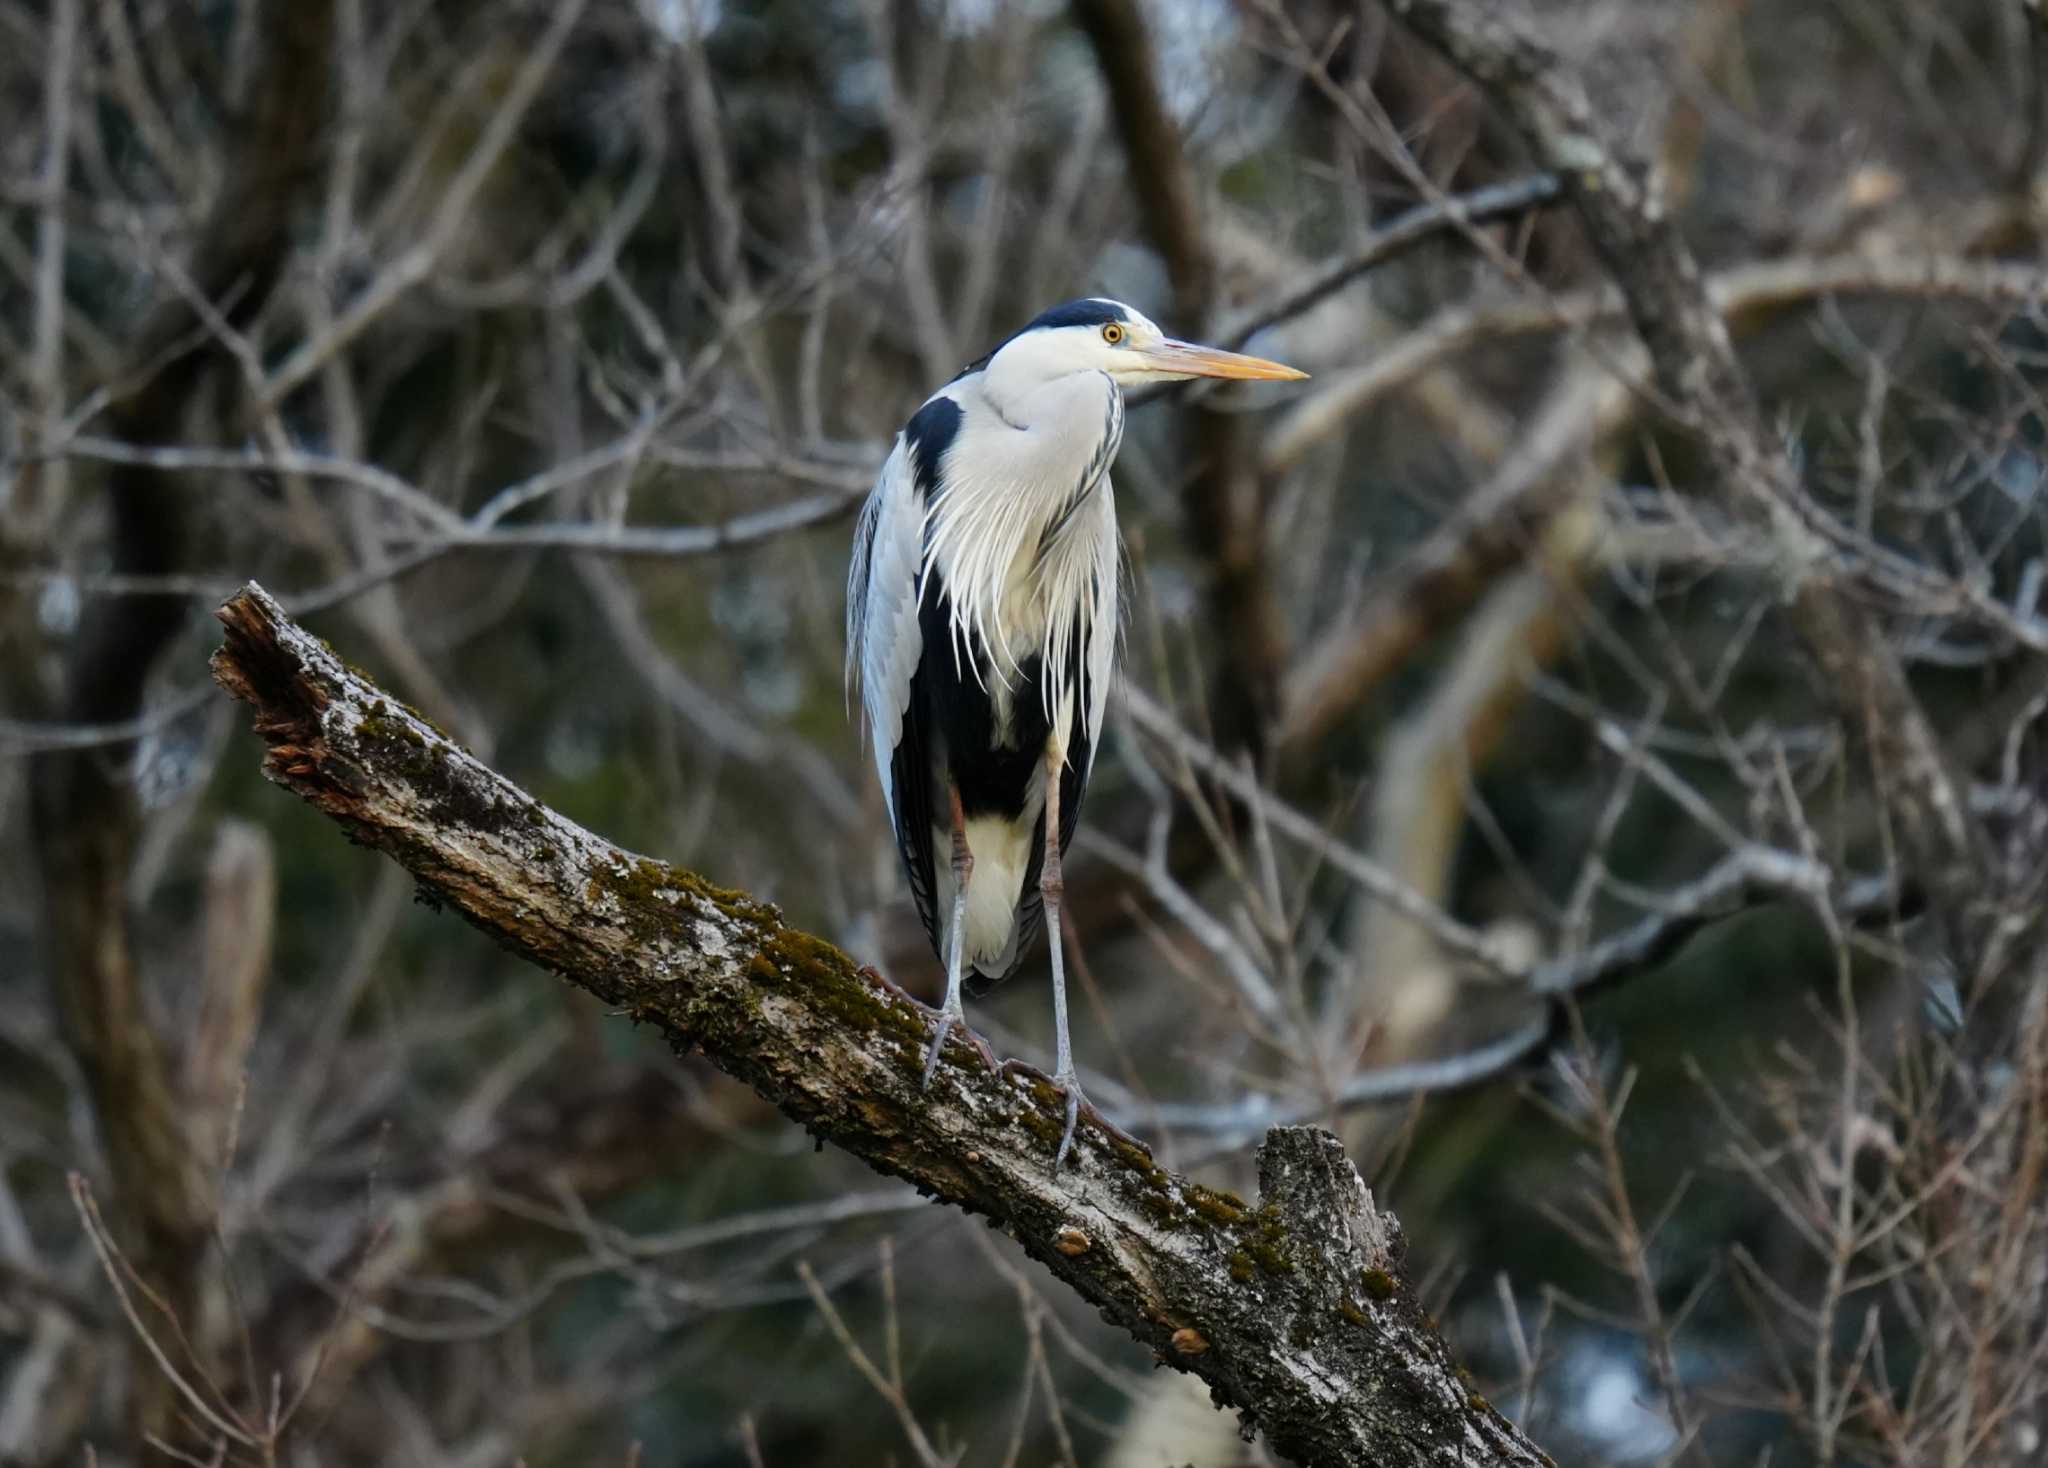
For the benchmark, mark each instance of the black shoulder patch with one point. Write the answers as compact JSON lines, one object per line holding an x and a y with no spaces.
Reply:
{"x":1091,"y":311}
{"x":929,"y":433}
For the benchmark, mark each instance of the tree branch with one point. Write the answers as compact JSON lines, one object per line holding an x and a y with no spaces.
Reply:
{"x":589,"y":1142}
{"x":1703,"y":389}
{"x":1161,"y":180}
{"x":1295,"y":1311}
{"x":1226,"y":496}
{"x":1395,"y":238}
{"x":87,"y":820}
{"x":1741,"y":882}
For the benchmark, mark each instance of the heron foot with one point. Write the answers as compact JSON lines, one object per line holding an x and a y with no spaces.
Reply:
{"x":947,"y":1020}
{"x":882,"y":981}
{"x":1078,"y":1106}
{"x":1073,"y":1120}
{"x":931,"y":1056}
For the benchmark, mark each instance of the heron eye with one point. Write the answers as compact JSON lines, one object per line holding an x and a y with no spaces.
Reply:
{"x":1113,"y":333}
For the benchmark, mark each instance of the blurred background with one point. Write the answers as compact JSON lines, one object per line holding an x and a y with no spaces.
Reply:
{"x":539,"y":355}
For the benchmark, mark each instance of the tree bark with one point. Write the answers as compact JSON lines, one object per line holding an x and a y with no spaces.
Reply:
{"x":1294,"y":1309}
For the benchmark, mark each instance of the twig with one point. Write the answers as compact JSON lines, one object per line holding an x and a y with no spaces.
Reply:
{"x":177,"y":458}
{"x":1750,"y":876}
{"x":46,"y":365}
{"x":910,"y":135}
{"x":1466,"y":942}
{"x":888,"y":1385}
{"x":451,"y":211}
{"x":1737,"y":292}
{"x":1392,"y":240}
{"x":113,"y":1267}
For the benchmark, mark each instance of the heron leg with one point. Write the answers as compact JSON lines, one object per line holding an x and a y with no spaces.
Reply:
{"x":1052,"y":887}
{"x":953,"y":1011}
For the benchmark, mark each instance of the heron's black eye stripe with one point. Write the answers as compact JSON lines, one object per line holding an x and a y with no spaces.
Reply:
{"x":1112,"y":332}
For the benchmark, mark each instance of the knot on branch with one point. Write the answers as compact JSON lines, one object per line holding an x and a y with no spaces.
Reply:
{"x":1307,"y":1176}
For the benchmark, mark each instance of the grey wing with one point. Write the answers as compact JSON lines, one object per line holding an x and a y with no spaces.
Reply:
{"x":884,"y":647}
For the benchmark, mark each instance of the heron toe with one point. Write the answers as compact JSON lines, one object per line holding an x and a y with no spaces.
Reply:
{"x":948,"y":1021}
{"x":1072,"y":1086}
{"x":1078,"y":1105}
{"x":931,"y":1056}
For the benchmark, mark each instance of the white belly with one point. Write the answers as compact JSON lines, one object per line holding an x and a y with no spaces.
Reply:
{"x":1002,"y":855}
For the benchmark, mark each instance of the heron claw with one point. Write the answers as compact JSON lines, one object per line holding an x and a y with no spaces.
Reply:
{"x":931,"y":1056}
{"x":1073,"y":1120}
{"x":947,"y":1019}
{"x":1078,"y":1106}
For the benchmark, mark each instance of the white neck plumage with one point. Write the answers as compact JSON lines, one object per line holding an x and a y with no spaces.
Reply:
{"x":1023,"y":537}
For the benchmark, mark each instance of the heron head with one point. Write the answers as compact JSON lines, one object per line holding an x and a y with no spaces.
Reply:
{"x":1099,"y":335}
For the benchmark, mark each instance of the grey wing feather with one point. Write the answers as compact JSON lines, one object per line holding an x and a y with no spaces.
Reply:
{"x":884,"y":647}
{"x":883,"y":644}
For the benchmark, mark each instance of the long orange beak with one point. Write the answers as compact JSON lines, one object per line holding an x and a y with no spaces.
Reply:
{"x":1189,"y":360}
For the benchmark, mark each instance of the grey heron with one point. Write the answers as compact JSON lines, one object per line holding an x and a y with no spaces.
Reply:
{"x":982,"y":626}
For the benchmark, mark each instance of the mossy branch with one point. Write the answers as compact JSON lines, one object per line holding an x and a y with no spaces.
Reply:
{"x":1294,"y":1310}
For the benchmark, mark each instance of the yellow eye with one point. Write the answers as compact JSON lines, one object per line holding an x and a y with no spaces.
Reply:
{"x":1113,"y":332}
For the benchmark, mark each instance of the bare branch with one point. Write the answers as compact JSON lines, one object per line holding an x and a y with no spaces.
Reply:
{"x":1741,"y":293}
{"x":1226,"y":521}
{"x":1161,"y":180}
{"x":413,"y":266}
{"x":46,"y":366}
{"x":1393,"y":240}
{"x":1294,"y":1310}
{"x":1383,"y":885}
{"x":1750,"y":877}
{"x":87,"y":817}
{"x":1499,"y":526}
{"x":1704,"y":390}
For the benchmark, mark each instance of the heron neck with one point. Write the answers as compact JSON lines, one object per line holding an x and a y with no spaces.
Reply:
{"x":1018,"y":531}
{"x":1025,"y":398}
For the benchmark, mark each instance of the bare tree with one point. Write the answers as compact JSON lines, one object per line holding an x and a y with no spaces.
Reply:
{"x":1583,"y":752}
